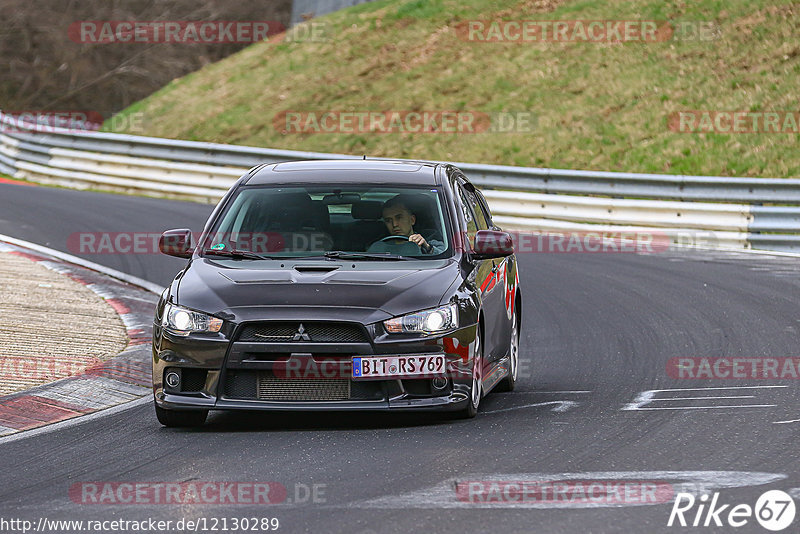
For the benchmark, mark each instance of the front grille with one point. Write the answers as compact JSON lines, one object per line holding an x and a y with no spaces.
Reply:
{"x":290,"y":331}
{"x":193,"y":380}
{"x":241,"y":385}
{"x":271,"y":387}
{"x":264,"y":385}
{"x":366,"y":390}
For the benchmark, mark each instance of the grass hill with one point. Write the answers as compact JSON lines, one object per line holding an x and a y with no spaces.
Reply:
{"x":602,"y":106}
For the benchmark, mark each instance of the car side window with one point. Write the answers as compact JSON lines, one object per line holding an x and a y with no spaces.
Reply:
{"x":485,"y":206}
{"x":481,"y":221}
{"x":469,"y":215}
{"x":480,"y":216}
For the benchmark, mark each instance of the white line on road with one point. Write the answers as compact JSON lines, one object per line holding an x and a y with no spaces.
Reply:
{"x":727,"y":387}
{"x":445,"y":494}
{"x":562,"y":406}
{"x":704,"y":398}
{"x":711,"y":407}
{"x":649,"y":397}
{"x":548,"y":392}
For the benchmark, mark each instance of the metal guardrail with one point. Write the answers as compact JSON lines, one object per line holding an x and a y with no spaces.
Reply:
{"x":317,"y":8}
{"x":729,"y":209}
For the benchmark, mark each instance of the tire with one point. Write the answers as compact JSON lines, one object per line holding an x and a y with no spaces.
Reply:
{"x":476,"y":389}
{"x":510,"y":381}
{"x":181,"y":418}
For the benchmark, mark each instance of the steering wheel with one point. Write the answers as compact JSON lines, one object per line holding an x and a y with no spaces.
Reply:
{"x":401,"y":245}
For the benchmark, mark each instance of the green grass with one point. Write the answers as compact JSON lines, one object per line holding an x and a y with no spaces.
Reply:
{"x":598,"y":106}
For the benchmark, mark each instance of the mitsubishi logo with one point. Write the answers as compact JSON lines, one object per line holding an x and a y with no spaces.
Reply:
{"x":301,"y":334}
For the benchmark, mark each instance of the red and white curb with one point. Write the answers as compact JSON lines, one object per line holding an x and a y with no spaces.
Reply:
{"x":124,"y":378}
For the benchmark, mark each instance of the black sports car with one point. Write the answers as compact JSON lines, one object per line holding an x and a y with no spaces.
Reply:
{"x":339,"y":285}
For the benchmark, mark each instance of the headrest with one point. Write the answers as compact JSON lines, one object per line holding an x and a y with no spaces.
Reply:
{"x":367,"y":209}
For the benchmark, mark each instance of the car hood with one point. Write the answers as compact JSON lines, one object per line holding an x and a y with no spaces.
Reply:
{"x":362,"y":291}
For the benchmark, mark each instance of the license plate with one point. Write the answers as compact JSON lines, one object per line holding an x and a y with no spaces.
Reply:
{"x":407,"y":365}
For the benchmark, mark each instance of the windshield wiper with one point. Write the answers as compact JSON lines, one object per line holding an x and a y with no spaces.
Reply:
{"x":338,"y":254}
{"x":236,"y":254}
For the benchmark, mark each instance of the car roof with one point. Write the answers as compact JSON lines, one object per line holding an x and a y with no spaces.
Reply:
{"x":347,"y":171}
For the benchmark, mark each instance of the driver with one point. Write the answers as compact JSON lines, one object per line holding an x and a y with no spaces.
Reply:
{"x":399,"y":221}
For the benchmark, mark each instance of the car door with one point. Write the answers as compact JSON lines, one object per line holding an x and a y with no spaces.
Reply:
{"x":506,"y":270}
{"x":487,"y":274}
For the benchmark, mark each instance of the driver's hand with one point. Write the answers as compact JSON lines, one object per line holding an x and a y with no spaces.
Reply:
{"x":419,"y":240}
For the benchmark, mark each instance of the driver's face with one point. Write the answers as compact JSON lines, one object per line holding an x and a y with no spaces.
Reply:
{"x":398,"y":220}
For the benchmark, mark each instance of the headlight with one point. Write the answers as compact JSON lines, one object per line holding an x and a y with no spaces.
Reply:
{"x":182,"y":322}
{"x":425,"y":322}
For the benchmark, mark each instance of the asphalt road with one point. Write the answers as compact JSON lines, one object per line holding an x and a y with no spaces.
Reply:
{"x":59,"y":218}
{"x":598,"y":332}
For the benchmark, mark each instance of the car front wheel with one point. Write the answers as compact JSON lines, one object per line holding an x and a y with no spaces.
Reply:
{"x":510,"y":381}
{"x":476,"y":388}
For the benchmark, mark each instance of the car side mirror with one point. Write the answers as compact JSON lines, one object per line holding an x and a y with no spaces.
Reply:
{"x":176,"y":243}
{"x":492,"y":244}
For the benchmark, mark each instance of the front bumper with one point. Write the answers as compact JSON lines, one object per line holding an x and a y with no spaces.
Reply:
{"x":451,"y":402}
{"x":235,"y":375}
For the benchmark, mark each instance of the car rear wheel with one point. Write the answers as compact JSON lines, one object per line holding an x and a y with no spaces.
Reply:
{"x":510,"y":381}
{"x":476,"y":388}
{"x":181,"y":418}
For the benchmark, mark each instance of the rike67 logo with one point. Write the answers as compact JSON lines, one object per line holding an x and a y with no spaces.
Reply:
{"x":774,"y":510}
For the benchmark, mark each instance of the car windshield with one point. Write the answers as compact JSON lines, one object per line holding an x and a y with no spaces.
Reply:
{"x":367,"y":223}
